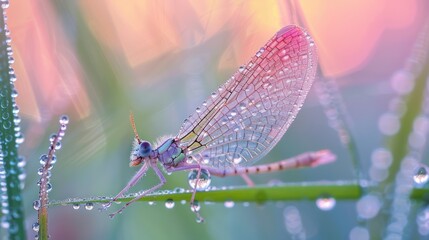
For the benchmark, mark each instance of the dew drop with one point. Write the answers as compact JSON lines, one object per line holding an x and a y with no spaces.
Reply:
{"x":14,"y":93}
{"x":195,"y":206}
{"x":89,"y":206}
{"x":198,"y":110}
{"x":54,"y":159}
{"x":43,"y":159}
{"x":12,"y":77}
{"x":199,"y":219}
{"x":214,"y":94}
{"x":179,"y":190}
{"x":259,"y":53}
{"x":36,"y":205}
{"x":206,"y":159}
{"x":151,"y":203}
{"x":242,"y":106}
{"x":15,"y":109}
{"x":169,"y":203}
{"x":35,"y":226}
{"x":5,"y":223}
{"x":48,"y":187}
{"x":76,"y":206}
{"x":229,"y":204}
{"x":19,"y":139}
{"x":64,"y":119}
{"x":203,"y":181}
{"x":52,"y":137}
{"x":58,"y":146}
{"x":237,"y":159}
{"x":325,"y":203}
{"x":421,"y":176}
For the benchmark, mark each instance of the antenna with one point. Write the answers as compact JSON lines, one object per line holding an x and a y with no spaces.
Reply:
{"x":133,"y":125}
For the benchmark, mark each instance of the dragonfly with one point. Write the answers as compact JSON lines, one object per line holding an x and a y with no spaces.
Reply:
{"x":240,"y":122}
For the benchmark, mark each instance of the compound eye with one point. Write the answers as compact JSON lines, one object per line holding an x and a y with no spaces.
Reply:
{"x":145,"y":149}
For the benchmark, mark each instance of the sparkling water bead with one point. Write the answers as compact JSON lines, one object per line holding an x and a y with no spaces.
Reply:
{"x":325,"y":203}
{"x":169,"y":203}
{"x":195,"y":206}
{"x":64,"y":119}
{"x":421,"y":176}
{"x":89,"y":206}
{"x":203,"y":181}
{"x":36,"y":205}
{"x":35,"y":226}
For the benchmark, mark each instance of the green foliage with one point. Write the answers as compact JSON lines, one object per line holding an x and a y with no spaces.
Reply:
{"x":14,"y":218}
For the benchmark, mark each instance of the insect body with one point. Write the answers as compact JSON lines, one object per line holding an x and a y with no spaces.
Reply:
{"x":241,"y":121}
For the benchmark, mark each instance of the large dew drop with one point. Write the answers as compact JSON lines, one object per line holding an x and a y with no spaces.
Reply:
{"x":229,"y":204}
{"x":325,"y":203}
{"x":35,"y":227}
{"x":89,"y":206}
{"x":195,"y":206}
{"x":202,"y":183}
{"x":36,"y":205}
{"x":169,"y":203}
{"x":421,"y":176}
{"x":64,"y":119}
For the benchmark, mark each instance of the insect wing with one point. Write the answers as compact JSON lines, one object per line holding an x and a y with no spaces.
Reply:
{"x":246,"y":117}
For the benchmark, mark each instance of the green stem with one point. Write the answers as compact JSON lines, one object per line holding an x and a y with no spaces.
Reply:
{"x":340,"y":190}
{"x":8,"y":139}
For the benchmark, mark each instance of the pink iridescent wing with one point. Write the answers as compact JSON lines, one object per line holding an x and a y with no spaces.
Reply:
{"x":248,"y":115}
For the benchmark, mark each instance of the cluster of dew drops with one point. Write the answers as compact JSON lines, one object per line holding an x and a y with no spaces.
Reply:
{"x":47,"y":164}
{"x":6,"y":124}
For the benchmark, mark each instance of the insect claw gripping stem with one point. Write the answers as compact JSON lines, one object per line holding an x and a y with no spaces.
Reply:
{"x":241,"y":121}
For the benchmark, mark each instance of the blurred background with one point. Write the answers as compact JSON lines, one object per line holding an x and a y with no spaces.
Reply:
{"x":98,"y":60}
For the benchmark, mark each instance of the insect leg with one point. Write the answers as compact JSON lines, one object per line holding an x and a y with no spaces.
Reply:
{"x":162,"y":182}
{"x":131,"y":183}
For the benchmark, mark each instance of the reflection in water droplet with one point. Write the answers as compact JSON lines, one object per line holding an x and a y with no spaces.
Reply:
{"x":36,"y":205}
{"x":89,"y":206}
{"x":195,"y":207}
{"x":76,"y":206}
{"x":35,"y":226}
{"x":58,"y":146}
{"x":64,"y":119}
{"x":203,"y":181}
{"x":325,"y":203}
{"x":169,"y":203}
{"x":421,"y":176}
{"x":48,"y":187}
